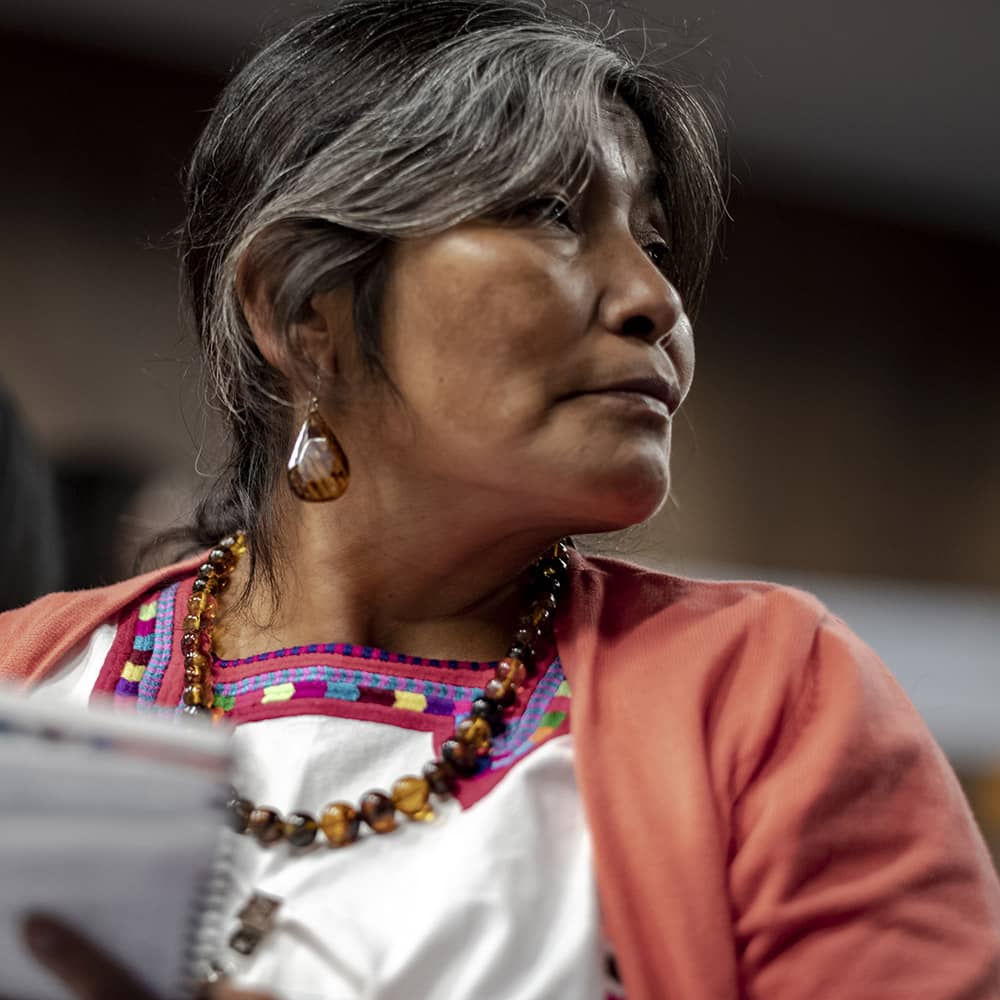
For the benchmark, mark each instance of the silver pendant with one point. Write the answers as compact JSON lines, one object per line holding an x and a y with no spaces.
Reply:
{"x":256,"y":920}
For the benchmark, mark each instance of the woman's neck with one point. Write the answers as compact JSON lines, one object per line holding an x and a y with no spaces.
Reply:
{"x":440,"y":586}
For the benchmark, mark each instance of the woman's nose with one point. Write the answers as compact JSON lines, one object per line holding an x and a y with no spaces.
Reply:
{"x":637,"y":299}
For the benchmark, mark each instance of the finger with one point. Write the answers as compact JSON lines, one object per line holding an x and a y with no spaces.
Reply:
{"x":226,"y":991}
{"x":86,"y":969}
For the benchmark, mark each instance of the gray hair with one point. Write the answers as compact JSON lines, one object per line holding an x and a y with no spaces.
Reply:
{"x":382,"y":120}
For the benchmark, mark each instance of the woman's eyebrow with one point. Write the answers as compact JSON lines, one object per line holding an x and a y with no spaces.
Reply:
{"x":653,"y":183}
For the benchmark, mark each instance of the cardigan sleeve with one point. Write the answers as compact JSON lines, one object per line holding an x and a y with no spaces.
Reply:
{"x":856,"y":869}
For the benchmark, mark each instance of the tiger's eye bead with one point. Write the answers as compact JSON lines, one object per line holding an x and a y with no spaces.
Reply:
{"x":483,"y":708}
{"x":462,"y":756}
{"x":525,"y":637}
{"x":555,"y":566}
{"x":440,"y":776}
{"x":524,"y":654}
{"x":378,"y":812}
{"x":191,"y":623}
{"x":238,"y":813}
{"x":475,"y":732}
{"x":510,"y":668}
{"x":502,"y":692}
{"x":300,"y":829}
{"x":410,"y":796}
{"x":340,"y":823}
{"x":266,"y":825}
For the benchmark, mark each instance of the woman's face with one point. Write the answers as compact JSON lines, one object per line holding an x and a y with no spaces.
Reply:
{"x":505,"y":342}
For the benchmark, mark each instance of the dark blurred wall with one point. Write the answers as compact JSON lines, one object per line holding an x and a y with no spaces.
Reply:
{"x":845,"y":415}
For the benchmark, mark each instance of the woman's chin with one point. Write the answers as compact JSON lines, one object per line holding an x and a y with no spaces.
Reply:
{"x":608,"y":503}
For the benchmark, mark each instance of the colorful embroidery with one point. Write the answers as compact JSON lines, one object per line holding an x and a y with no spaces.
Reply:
{"x":163,"y":635}
{"x":155,"y":653}
{"x":345,"y":684}
{"x":364,"y":652}
{"x":546,"y":710}
{"x":127,"y":687}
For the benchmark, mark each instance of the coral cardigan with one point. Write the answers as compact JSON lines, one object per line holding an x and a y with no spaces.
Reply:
{"x":770,"y":817}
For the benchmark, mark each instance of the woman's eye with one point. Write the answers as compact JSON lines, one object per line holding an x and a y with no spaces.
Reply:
{"x":659,"y":253}
{"x":558,"y":212}
{"x":554,"y":209}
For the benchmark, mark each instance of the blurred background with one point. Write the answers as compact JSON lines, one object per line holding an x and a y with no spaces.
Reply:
{"x":844,"y":430}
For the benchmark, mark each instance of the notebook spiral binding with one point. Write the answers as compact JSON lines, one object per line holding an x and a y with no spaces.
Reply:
{"x":205,"y":928}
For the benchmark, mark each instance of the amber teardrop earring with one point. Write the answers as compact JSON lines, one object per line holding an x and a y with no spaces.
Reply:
{"x":318,"y":469}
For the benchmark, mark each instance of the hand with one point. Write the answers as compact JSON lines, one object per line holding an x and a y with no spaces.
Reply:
{"x":90,"y":973}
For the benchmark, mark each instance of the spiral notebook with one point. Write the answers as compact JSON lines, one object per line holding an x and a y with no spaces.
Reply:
{"x":112,"y":821}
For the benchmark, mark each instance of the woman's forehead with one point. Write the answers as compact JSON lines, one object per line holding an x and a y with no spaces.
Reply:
{"x":624,"y":146}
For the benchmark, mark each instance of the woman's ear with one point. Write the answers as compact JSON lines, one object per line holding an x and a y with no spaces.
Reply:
{"x":315,"y":340}
{"x":254,"y":291}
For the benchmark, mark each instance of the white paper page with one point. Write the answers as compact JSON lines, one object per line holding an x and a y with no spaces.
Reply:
{"x":112,"y":821}
{"x":132,"y":885}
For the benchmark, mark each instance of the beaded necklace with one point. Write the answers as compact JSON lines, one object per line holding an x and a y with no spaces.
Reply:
{"x":341,"y":822}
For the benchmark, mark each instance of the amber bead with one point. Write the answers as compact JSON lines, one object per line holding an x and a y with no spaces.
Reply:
{"x":541,"y":617}
{"x":340,"y":823}
{"x":196,"y":695}
{"x":266,"y":825}
{"x":462,"y":756}
{"x":221,"y":559}
{"x":475,"y":732}
{"x":196,"y":661}
{"x":189,"y":642}
{"x":200,"y":586}
{"x":502,"y":692}
{"x":192,"y":675}
{"x":191,"y":623}
{"x":546,"y":600}
{"x":440,"y":776}
{"x":510,"y":668}
{"x":229,"y":542}
{"x":378,"y":812}
{"x":238,"y":813}
{"x":300,"y":829}
{"x":410,"y":796}
{"x":196,"y":603}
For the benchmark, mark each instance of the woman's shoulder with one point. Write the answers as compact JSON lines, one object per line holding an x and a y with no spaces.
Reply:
{"x":36,"y":637}
{"x":628,"y":591}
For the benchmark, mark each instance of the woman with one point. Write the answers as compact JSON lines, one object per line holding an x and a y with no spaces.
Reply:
{"x":437,"y":255}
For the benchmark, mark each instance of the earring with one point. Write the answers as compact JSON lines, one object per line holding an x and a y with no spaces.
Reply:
{"x":318,"y":469}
